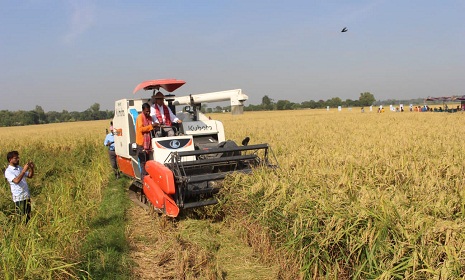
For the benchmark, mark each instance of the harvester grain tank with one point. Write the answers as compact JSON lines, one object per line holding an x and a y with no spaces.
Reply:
{"x":185,"y":170}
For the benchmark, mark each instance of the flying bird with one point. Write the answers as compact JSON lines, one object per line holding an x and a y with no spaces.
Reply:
{"x":344,"y":29}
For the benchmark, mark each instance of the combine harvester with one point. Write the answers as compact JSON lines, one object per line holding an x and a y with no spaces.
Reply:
{"x":185,"y":170}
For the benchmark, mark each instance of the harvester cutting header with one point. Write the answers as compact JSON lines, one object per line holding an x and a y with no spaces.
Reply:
{"x":185,"y":169}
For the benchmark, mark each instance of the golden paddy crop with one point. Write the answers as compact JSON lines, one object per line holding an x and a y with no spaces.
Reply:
{"x":357,"y":195}
{"x":71,"y":168}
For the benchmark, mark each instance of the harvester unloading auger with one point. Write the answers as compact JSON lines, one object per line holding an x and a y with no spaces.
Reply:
{"x":185,"y":170}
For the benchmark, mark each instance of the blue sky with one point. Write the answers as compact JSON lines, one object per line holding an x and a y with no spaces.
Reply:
{"x":72,"y":54}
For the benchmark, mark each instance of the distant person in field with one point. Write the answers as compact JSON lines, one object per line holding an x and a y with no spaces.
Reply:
{"x":16,"y":176}
{"x":162,"y":115}
{"x":110,"y":143}
{"x":144,"y":125}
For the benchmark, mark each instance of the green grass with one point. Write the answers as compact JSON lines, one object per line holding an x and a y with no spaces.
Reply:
{"x":105,"y":250}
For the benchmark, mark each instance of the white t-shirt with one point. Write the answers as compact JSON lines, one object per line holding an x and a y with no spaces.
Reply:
{"x":19,"y":191}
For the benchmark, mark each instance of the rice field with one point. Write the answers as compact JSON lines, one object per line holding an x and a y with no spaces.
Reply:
{"x":71,"y":168}
{"x":357,"y":195}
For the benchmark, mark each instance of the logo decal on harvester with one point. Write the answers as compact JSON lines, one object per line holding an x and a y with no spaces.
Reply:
{"x":199,"y":127}
{"x":175,"y":144}
{"x":119,"y":112}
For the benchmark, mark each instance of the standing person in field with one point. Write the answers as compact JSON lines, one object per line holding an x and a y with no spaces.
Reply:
{"x":16,"y":176}
{"x":144,"y":125}
{"x":110,"y":143}
{"x":162,"y":115}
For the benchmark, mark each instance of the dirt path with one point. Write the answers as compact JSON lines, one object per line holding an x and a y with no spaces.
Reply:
{"x":189,"y":249}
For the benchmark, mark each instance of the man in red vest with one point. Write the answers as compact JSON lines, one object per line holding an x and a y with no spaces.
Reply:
{"x":162,"y":115}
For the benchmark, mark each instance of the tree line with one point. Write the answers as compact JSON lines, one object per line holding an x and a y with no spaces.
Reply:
{"x":268,"y":104}
{"x":39,"y":116}
{"x":365,"y":99}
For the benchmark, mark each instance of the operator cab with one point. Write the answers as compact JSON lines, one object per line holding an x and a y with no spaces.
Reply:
{"x":196,"y":132}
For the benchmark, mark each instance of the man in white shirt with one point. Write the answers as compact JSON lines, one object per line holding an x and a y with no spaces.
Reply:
{"x":162,"y":115}
{"x":16,"y":176}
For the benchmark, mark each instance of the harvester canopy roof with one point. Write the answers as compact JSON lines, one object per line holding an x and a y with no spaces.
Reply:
{"x":169,"y":85}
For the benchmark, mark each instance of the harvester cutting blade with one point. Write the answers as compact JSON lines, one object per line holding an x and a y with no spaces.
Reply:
{"x":196,"y":180}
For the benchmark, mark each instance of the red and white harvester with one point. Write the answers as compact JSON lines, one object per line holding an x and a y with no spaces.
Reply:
{"x":185,"y":170}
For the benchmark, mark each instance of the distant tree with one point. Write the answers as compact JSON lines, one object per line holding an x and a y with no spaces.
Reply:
{"x":351,"y":103}
{"x":267,"y":103}
{"x":334,"y":102}
{"x":24,"y":117}
{"x":110,"y":114}
{"x":321,"y":104}
{"x":102,"y":115}
{"x":95,"y":107}
{"x":252,"y":107}
{"x":291,"y":106}
{"x":53,"y":117}
{"x":309,"y":104}
{"x":203,"y":109}
{"x":75,"y":116}
{"x":93,"y":113}
{"x":65,"y":116}
{"x":84,"y":116}
{"x":42,"y":118}
{"x":33,"y":117}
{"x":284,"y":105}
{"x":366,"y":99}
{"x":6,"y":118}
